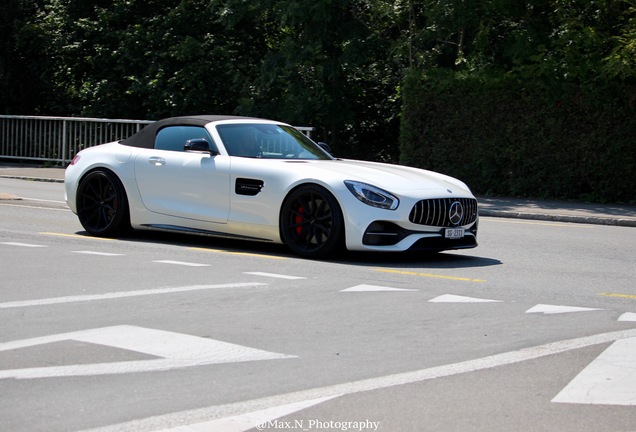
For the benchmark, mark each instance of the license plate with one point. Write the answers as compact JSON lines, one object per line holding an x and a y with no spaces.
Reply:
{"x":454,"y":233}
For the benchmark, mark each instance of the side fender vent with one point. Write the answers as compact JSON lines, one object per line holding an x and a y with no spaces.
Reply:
{"x":249,"y":187}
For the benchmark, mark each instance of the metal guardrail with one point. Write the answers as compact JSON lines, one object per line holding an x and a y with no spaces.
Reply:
{"x":58,"y":139}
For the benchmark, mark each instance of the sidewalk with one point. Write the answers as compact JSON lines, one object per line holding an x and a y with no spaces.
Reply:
{"x":601,"y":214}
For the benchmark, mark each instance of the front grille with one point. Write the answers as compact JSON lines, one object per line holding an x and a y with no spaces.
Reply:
{"x":437,"y":212}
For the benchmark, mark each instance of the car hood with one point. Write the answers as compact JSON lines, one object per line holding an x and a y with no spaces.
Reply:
{"x":395,"y":178}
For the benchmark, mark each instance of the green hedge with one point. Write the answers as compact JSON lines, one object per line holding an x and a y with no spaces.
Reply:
{"x":506,"y":137}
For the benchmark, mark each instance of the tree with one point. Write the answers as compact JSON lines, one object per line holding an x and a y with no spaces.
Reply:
{"x":149,"y":59}
{"x":330,"y":66}
{"x":24,"y":72}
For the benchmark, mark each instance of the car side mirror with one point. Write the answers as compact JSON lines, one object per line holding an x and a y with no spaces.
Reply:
{"x":325,"y":147}
{"x":199,"y":145}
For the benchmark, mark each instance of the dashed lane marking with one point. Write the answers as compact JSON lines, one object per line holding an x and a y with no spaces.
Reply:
{"x":374,"y":288}
{"x":182,"y":263}
{"x":4,"y":203}
{"x":238,"y":253}
{"x":29,"y":245}
{"x":428,"y":275}
{"x":123,"y":294}
{"x":97,"y":253}
{"x":273,"y":275}
{"x":85,"y":237}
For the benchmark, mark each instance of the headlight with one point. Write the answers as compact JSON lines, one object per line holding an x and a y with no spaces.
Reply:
{"x":373,"y":196}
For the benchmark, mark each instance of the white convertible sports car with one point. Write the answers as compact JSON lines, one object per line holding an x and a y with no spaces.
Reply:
{"x":263,"y":180}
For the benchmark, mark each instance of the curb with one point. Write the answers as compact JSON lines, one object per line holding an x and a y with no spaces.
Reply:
{"x":594,"y":220}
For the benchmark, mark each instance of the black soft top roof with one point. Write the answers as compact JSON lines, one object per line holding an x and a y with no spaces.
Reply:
{"x":145,"y":138}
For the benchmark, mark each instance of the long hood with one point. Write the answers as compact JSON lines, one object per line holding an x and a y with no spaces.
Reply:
{"x":395,"y":178}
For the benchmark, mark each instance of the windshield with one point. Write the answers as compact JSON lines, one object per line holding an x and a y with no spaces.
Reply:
{"x":268,"y":141}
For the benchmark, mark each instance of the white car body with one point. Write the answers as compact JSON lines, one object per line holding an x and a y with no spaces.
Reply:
{"x":215,"y":193}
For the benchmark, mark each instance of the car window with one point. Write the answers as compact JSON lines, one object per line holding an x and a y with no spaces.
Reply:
{"x":174,"y":137}
{"x":268,"y":141}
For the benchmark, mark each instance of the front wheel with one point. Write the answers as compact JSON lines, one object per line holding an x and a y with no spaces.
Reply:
{"x":102,"y":205}
{"x":311,"y":222}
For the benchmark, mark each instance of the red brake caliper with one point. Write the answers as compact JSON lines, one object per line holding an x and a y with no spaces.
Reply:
{"x":299,"y":220}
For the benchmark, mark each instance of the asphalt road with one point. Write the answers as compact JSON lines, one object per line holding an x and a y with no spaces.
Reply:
{"x":534,"y":330}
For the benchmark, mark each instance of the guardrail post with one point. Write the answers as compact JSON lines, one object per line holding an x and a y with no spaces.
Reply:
{"x":64,"y":142}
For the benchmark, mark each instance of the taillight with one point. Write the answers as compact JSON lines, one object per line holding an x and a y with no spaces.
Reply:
{"x":75,"y":159}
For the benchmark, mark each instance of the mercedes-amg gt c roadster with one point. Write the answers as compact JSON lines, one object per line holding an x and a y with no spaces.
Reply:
{"x":262,"y":180}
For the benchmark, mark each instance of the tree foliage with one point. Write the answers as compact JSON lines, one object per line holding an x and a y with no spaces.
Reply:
{"x":338,"y":65}
{"x":540,"y":101}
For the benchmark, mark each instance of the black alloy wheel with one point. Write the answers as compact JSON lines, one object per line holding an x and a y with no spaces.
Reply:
{"x":102,"y":205}
{"x":311,"y":222}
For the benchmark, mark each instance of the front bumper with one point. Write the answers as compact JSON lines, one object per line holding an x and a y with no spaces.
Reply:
{"x":390,"y":236}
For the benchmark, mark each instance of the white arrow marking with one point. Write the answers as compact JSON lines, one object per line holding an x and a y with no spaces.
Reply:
{"x":262,"y":419}
{"x":449,"y":298}
{"x":175,"y":351}
{"x":552,"y":309}
{"x":609,"y":380}
{"x":371,"y":288}
{"x":627,"y":316}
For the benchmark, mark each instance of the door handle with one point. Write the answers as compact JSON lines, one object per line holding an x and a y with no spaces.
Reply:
{"x":156,"y":161}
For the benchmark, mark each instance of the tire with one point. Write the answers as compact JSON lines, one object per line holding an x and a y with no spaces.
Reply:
{"x":102,"y":205}
{"x":311,"y":222}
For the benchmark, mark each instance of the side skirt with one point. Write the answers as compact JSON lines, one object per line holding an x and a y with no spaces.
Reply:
{"x":180,"y":229}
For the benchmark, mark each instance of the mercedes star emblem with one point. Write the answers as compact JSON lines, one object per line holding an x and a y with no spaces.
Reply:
{"x":456,"y":213}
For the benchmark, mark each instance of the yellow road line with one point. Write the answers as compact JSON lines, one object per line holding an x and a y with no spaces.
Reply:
{"x":429,"y":275}
{"x":237,"y":253}
{"x":629,"y":296}
{"x":77,"y":236}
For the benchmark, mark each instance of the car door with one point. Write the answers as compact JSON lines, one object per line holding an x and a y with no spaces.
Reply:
{"x":189,"y":185}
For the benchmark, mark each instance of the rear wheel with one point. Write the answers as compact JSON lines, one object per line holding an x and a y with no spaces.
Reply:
{"x":311,"y":222}
{"x":102,"y":205}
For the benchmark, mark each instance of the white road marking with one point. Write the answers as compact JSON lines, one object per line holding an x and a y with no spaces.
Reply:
{"x":273,"y":275}
{"x":175,"y":351}
{"x":609,"y":380}
{"x":373,"y":288}
{"x":97,"y":253}
{"x":450,"y":298}
{"x":257,"y":419}
{"x":184,"y":418}
{"x":189,"y":264}
{"x":44,"y":200}
{"x":627,"y":316}
{"x":23,"y":244}
{"x":122,"y":294}
{"x":36,"y":207}
{"x":552,"y":309}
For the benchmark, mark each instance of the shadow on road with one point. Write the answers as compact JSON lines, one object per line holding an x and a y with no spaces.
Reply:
{"x":409,"y":259}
